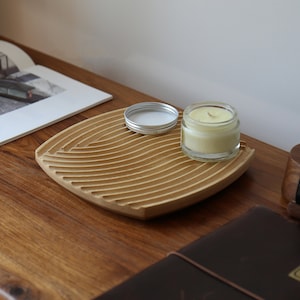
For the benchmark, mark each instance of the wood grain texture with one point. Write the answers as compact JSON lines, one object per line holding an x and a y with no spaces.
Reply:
{"x":68,"y":248}
{"x":137,"y":175}
{"x":13,"y":287}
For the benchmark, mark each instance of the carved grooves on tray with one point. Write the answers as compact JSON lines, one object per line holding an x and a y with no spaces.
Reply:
{"x":100,"y":158}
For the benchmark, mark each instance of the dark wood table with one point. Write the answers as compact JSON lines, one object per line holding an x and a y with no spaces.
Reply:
{"x":55,"y":245}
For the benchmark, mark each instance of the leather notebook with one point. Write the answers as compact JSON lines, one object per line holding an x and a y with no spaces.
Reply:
{"x":256,"y":256}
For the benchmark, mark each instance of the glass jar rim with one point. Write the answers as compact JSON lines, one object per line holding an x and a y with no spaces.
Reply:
{"x":191,"y":107}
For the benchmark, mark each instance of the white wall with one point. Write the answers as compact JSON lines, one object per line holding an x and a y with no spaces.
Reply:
{"x":244,"y":52}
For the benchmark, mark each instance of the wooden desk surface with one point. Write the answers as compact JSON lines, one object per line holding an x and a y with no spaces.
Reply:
{"x":55,"y":245}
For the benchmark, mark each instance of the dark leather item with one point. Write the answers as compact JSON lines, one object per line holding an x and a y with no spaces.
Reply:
{"x":258,"y":251}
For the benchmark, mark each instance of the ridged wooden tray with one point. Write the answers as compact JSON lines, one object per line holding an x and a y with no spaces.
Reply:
{"x":141,"y":176}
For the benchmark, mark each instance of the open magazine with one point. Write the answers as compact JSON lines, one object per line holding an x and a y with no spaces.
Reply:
{"x":33,"y":96}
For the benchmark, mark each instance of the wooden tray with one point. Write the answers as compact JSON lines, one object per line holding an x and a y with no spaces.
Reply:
{"x":137,"y":175}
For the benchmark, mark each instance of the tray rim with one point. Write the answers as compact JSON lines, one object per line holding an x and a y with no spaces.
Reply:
{"x":149,"y":212}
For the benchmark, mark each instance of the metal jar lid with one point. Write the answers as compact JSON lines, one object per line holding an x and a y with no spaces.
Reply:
{"x":151,"y":117}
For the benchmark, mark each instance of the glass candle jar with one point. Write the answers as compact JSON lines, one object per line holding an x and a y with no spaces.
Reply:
{"x":210,"y":131}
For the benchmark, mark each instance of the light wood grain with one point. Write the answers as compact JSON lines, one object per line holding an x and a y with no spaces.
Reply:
{"x":141,"y":176}
{"x":67,"y":248}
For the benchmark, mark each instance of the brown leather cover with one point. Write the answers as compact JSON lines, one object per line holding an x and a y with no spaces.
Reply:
{"x":257,"y":251}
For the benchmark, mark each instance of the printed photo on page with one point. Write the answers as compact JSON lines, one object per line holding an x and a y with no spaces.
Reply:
{"x":19,"y":88}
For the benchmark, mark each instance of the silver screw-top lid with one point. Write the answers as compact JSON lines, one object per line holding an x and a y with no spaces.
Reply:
{"x":151,"y":117}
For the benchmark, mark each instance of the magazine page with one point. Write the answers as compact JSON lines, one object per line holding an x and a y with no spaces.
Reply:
{"x":36,"y":96}
{"x":13,"y":58}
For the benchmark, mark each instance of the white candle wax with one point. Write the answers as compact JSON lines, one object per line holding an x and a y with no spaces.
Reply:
{"x":211,"y":114}
{"x":210,"y":130}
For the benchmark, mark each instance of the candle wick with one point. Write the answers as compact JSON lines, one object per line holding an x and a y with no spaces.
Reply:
{"x":210,"y":114}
